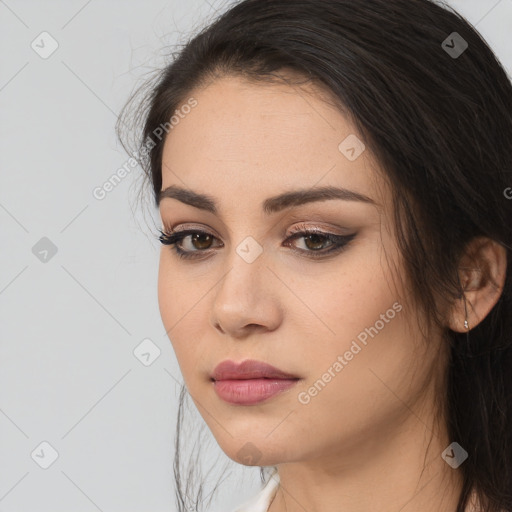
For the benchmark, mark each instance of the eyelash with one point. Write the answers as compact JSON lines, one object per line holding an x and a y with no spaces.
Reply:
{"x":339,"y":242}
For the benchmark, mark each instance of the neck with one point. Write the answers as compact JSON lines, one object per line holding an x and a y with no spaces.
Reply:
{"x":399,"y":471}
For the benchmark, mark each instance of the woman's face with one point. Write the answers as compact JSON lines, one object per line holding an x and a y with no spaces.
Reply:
{"x":338,"y":319}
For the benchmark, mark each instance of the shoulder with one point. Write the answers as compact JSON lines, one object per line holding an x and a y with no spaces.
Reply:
{"x":261,"y":501}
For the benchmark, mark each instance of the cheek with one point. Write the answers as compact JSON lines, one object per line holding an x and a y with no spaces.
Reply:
{"x":177,"y":294}
{"x":184,"y":310}
{"x":167,"y":294}
{"x":351,"y":400}
{"x":341,"y":300}
{"x":356,"y":313}
{"x":176,"y":301}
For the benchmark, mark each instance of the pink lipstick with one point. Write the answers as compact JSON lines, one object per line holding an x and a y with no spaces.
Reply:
{"x":249,"y":382}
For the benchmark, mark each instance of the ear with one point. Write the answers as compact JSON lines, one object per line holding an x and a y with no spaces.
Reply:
{"x":482,"y":272}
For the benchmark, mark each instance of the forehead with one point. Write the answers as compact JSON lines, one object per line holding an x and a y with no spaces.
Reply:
{"x":253,"y":139}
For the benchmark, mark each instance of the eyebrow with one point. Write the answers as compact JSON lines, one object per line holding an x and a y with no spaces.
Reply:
{"x":272,"y":204}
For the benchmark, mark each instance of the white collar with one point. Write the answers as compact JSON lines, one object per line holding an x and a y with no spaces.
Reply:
{"x":262,"y":500}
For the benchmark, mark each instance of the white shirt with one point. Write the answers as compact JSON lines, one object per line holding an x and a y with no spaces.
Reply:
{"x":261,"y":501}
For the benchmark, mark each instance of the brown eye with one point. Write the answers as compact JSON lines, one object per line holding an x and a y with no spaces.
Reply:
{"x":315,"y":242}
{"x":196,"y":242}
{"x":200,"y":241}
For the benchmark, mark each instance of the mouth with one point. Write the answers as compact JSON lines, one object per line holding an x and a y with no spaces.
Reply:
{"x":248,"y":369}
{"x":250,"y":382}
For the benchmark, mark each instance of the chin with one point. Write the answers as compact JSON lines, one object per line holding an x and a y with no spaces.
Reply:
{"x":251,"y":451}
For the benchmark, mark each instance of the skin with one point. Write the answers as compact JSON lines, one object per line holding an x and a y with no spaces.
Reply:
{"x":362,"y":443}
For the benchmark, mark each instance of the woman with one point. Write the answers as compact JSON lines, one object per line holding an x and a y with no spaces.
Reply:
{"x":332,"y":181}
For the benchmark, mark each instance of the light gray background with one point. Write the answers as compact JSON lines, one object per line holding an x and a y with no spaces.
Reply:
{"x":69,"y":326}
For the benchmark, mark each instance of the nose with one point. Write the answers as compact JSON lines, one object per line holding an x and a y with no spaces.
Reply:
{"x":246,"y":299}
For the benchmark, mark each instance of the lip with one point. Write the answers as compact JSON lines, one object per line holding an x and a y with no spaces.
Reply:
{"x":250,"y":381}
{"x":248,"y":369}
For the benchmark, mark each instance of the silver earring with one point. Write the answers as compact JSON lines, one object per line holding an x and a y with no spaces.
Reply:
{"x":466,"y":324}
